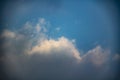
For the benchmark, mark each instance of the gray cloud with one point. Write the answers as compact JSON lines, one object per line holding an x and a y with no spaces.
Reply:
{"x":39,"y":57}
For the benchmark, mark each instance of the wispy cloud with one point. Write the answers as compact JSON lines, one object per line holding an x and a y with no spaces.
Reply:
{"x":58,"y":29}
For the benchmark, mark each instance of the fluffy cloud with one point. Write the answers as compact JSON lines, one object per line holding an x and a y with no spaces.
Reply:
{"x":98,"y":56}
{"x":33,"y":55}
{"x":54,"y":46}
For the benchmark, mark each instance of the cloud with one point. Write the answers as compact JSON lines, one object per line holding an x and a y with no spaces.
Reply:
{"x":98,"y":56}
{"x":42,"y":21}
{"x":38,"y":28}
{"x":8,"y":34}
{"x":61,"y":45}
{"x":42,"y":57}
{"x":39,"y":49}
{"x":58,"y":29}
{"x":116,"y":57}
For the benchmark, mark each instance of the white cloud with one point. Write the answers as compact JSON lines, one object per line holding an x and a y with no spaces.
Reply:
{"x":48,"y":46}
{"x":8,"y":34}
{"x":98,"y":56}
{"x":10,"y":38}
{"x":56,"y":46}
{"x":38,"y":28}
{"x":41,"y":25}
{"x":41,"y":55}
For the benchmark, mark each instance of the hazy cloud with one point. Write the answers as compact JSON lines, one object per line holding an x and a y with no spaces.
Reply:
{"x":41,"y":57}
{"x":8,"y":34}
{"x":116,"y":57}
{"x":58,"y":29}
{"x":98,"y":56}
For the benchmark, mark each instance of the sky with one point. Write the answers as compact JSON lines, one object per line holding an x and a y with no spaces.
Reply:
{"x":59,"y":40}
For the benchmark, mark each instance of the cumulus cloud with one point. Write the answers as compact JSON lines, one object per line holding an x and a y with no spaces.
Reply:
{"x":61,"y":45}
{"x":98,"y":56}
{"x":41,"y":57}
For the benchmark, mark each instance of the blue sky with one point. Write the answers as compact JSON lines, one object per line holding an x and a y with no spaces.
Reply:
{"x":90,"y":23}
